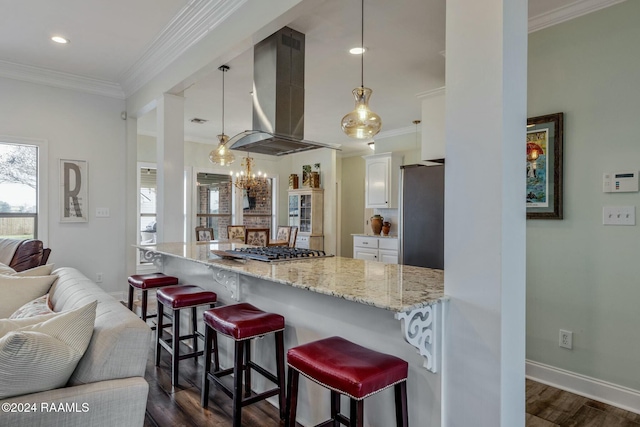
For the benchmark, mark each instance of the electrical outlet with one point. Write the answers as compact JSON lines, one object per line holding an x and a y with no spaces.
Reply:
{"x":566,"y":339}
{"x":98,"y":277}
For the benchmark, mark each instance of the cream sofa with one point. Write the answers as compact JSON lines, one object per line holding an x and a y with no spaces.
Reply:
{"x":107,"y":387}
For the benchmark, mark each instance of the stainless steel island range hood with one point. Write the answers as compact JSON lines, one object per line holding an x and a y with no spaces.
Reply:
{"x":278,"y":98}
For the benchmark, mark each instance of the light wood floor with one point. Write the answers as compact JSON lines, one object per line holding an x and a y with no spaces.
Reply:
{"x":180,"y":406}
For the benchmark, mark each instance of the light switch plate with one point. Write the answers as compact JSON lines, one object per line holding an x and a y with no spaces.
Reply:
{"x":619,"y":215}
{"x":102,"y":212}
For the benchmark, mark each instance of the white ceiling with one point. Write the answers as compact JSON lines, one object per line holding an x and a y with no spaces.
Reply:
{"x":110,"y":40}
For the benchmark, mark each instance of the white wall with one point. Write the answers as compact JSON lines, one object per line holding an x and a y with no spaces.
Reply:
{"x":78,"y":126}
{"x":581,"y":275}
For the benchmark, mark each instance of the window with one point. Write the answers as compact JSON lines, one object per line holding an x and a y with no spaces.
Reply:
{"x":214,"y":200}
{"x":257,"y":206}
{"x":19,"y":189}
{"x":147,"y":207}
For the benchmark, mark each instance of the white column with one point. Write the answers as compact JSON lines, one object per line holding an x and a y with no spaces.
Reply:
{"x":132,"y":196}
{"x":484,"y":346}
{"x":170,"y":179}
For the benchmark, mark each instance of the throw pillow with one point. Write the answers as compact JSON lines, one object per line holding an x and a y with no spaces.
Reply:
{"x":17,"y":291}
{"x":8,"y":325}
{"x":37,"y":307}
{"x":5,"y":269}
{"x":41,"y":270}
{"x":43,"y":356}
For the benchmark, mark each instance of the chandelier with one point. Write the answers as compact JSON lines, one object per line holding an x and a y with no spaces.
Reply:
{"x":247,"y":179}
{"x":221,"y":154}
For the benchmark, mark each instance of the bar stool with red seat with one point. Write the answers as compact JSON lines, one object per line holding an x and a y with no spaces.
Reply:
{"x":349,"y":369}
{"x":242,"y":322}
{"x":175,"y":298}
{"x":144,"y":282}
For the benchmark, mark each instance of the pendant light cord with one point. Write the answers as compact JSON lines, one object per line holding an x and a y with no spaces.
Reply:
{"x":362,"y":44}
{"x":224,"y":69}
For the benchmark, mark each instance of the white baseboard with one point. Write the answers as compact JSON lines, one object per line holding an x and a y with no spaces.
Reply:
{"x":120,"y":295}
{"x":592,"y":388}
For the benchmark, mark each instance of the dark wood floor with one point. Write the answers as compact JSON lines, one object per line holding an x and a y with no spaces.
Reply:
{"x":180,"y":406}
{"x":550,"y":407}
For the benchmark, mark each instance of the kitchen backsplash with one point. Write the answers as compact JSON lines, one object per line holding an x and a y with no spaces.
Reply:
{"x":390,"y":215}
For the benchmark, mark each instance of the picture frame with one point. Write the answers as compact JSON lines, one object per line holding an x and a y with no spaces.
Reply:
{"x":74,"y":186}
{"x":544,"y":152}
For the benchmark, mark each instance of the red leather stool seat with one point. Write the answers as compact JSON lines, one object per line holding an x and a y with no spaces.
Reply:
{"x":243,"y":321}
{"x":346,"y":367}
{"x":184,"y":296}
{"x":153,"y":280}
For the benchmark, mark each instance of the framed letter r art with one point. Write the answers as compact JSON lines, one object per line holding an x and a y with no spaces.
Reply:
{"x":74,"y":205}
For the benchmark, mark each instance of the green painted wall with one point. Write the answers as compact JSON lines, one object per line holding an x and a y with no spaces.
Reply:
{"x":352,"y":202}
{"x":581,"y":275}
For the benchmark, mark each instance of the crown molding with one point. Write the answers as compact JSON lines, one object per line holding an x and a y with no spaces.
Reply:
{"x":568,"y":12}
{"x":188,"y":27}
{"x":431,"y":93}
{"x":399,"y":131}
{"x":59,"y":79}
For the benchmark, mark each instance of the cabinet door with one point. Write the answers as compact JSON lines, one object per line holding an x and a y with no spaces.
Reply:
{"x":294,"y":210}
{"x":377,"y":183}
{"x":388,"y":256}
{"x":365,"y":253}
{"x":305,"y":213}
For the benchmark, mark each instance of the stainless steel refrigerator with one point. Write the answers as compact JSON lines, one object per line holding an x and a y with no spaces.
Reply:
{"x":421,"y":216}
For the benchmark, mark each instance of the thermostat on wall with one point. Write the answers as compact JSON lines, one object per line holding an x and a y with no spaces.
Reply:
{"x":620,"y":182}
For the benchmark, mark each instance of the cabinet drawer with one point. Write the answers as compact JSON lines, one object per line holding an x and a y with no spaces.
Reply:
{"x":302,"y":242}
{"x":388,"y":243}
{"x":365,"y":242}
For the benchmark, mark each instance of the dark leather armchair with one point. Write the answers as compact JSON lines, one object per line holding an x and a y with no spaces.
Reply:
{"x":30,"y":253}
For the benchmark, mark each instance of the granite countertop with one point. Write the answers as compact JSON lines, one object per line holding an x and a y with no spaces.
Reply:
{"x":390,"y":236}
{"x":397,"y":288}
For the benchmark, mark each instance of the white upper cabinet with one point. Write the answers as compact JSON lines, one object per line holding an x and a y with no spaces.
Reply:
{"x":381,"y":181}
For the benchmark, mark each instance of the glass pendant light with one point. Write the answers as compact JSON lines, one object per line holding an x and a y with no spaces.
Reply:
{"x":221,"y":155}
{"x":361,"y":123}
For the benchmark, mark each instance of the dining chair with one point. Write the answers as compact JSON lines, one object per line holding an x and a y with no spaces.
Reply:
{"x":257,"y":236}
{"x":294,"y":235}
{"x":236,"y":232}
{"x":283,"y":233}
{"x":204,"y":234}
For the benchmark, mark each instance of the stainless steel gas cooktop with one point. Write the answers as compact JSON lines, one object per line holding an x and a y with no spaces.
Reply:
{"x":276,"y":253}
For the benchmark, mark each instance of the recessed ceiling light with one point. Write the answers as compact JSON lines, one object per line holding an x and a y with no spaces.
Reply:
{"x":60,"y":40}
{"x":357,"y":50}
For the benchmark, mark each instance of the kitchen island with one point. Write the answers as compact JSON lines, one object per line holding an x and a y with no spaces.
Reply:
{"x":390,"y":308}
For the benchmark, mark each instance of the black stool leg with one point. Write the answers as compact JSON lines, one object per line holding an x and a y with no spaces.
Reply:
{"x":335,"y":408}
{"x":280,"y":372}
{"x":356,"y":418}
{"x":292,"y":397}
{"x":216,"y":356}
{"x":402,"y":415}
{"x":194,"y":325}
{"x":130,"y":300}
{"x":144,"y":305}
{"x":237,"y":383}
{"x":247,"y":368}
{"x":159,"y":331}
{"x":204,"y":398}
{"x":175,"y":346}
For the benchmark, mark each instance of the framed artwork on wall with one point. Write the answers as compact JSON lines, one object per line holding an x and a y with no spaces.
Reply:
{"x":74,"y":186}
{"x":544,"y":148}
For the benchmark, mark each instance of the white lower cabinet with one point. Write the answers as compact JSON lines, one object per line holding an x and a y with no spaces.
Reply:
{"x":382,"y":249}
